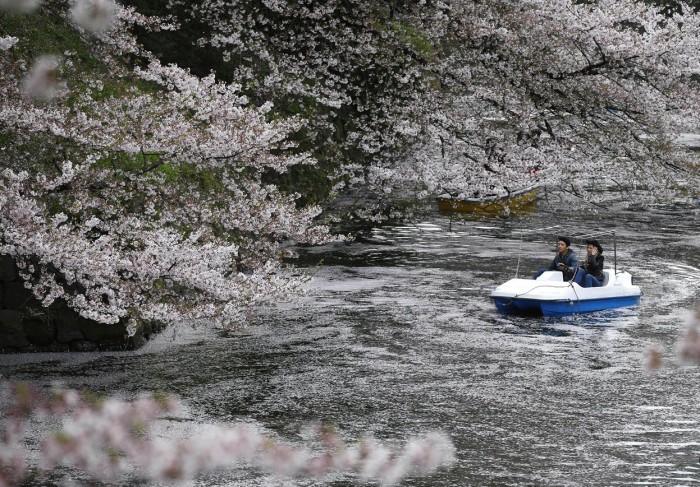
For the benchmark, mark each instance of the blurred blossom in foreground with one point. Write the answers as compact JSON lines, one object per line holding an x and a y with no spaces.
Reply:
{"x":690,"y":348}
{"x":43,"y":81}
{"x":106,"y":438}
{"x":93,"y":15}
{"x":7,"y":42}
{"x":19,"y":5}
{"x":655,"y":359}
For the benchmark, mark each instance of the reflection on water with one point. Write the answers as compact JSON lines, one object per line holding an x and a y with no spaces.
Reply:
{"x":397,"y":336}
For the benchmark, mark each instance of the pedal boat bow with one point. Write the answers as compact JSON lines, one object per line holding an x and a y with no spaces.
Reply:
{"x":550,"y":295}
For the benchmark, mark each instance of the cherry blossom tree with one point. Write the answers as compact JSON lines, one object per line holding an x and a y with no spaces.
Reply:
{"x":577,"y":95}
{"x":351,"y":69}
{"x":472,"y":97}
{"x":148,"y":203}
{"x":132,"y":188}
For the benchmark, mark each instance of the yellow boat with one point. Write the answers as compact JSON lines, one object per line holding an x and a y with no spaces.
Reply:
{"x":521,"y":200}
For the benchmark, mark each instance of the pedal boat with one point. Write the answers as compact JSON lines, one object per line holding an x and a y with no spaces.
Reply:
{"x":550,"y":295}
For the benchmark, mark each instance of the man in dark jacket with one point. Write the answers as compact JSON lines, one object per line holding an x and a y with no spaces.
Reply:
{"x":565,"y":260}
{"x":593,"y":265}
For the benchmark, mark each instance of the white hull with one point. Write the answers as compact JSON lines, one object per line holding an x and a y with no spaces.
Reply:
{"x":550,"y":295}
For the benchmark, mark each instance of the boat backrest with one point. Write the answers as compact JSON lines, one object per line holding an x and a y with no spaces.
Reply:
{"x":606,"y":278}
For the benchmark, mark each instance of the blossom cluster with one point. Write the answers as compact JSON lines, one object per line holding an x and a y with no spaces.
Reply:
{"x":469,"y":98}
{"x":690,"y":347}
{"x":150,"y":204}
{"x":109,"y":438}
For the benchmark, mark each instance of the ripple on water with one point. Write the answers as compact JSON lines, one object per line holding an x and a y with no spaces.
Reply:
{"x":397,"y":336}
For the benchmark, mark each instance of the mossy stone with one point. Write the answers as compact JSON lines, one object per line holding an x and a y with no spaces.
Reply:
{"x":11,"y":330}
{"x":39,"y":330}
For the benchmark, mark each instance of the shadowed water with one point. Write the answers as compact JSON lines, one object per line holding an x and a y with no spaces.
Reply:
{"x":397,"y":336}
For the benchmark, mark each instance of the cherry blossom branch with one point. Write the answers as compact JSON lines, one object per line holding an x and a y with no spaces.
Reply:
{"x":107,"y":438}
{"x":690,"y":347}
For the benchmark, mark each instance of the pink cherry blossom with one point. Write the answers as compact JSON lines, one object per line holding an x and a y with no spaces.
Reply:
{"x":107,"y":438}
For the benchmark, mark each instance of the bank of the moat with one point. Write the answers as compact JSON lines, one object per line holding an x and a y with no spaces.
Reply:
{"x":27,"y":326}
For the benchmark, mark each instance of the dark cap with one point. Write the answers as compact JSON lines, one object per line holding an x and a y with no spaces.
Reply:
{"x":566,"y":240}
{"x":596,"y":244}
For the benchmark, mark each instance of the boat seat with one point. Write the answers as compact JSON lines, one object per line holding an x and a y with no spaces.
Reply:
{"x":551,"y":276}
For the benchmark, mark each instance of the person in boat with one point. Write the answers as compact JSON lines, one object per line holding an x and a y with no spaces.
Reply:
{"x":593,"y":265}
{"x":565,"y":260}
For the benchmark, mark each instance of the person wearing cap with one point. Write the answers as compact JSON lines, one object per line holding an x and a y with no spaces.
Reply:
{"x":565,"y":260}
{"x":593,"y":265}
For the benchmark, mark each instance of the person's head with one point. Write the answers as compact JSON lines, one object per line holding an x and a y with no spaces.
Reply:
{"x":594,"y":247}
{"x":563,"y":244}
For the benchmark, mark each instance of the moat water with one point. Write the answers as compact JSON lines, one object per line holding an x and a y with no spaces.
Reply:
{"x":397,"y":336}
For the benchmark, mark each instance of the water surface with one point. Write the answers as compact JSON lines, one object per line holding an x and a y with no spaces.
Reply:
{"x":397,"y":337}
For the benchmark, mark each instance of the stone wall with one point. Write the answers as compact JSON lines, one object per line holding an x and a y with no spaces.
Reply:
{"x":27,"y":326}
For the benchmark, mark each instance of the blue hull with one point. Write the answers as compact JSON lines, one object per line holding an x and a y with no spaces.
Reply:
{"x":564,"y":307}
